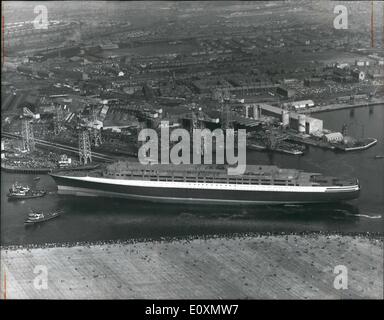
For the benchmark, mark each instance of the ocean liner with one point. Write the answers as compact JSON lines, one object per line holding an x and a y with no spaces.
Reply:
{"x":208,"y":184}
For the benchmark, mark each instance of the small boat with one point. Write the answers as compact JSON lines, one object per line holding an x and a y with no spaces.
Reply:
{"x":38,"y":216}
{"x":379,"y":156}
{"x":18,"y":191}
{"x":30,"y":194}
{"x":36,"y":179}
{"x":18,"y":187}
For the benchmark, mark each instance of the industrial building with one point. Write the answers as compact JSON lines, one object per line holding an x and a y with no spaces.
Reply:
{"x":299,"y":104}
{"x":300,"y":122}
{"x":313,"y":82}
{"x":207,"y":86}
{"x":285,"y":92}
{"x":305,"y":124}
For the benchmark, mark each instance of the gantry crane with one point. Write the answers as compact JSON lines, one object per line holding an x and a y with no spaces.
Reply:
{"x":197,"y":122}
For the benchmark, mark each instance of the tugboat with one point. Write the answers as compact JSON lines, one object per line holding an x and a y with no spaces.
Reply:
{"x":37,"y":216}
{"x":24,"y":192}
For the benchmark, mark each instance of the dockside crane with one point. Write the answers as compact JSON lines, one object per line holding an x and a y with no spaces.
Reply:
{"x":372,"y":94}
{"x":272,"y":139}
{"x":85,"y":153}
{"x":27,"y":134}
{"x":95,"y":129}
{"x":197,"y":122}
{"x":197,"y":117}
{"x":222,"y":95}
{"x":58,"y":120}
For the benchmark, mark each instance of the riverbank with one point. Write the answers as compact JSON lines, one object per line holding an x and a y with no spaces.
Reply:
{"x":339,"y":106}
{"x":259,"y":267}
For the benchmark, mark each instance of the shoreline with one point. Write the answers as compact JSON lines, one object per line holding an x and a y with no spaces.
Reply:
{"x":232,"y":267}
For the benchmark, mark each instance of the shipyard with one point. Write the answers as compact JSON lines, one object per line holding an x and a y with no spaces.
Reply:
{"x":221,"y":127}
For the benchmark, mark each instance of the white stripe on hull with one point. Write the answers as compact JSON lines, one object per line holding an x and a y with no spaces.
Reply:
{"x":214,"y":186}
{"x":65,"y":190}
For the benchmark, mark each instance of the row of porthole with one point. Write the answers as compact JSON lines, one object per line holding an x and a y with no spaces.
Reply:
{"x":237,"y":183}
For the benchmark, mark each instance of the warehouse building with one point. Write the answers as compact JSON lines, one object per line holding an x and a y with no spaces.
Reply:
{"x":299,"y":104}
{"x":333,"y":137}
{"x":285,"y":92}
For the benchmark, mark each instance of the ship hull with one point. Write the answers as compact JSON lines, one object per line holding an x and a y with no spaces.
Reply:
{"x":23,"y":197}
{"x":203,"y":193}
{"x":52,"y":216}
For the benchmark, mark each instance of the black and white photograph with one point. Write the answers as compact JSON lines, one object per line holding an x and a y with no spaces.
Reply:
{"x":217,"y":151}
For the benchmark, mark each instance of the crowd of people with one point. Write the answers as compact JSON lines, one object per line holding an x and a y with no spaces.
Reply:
{"x":187,"y":239}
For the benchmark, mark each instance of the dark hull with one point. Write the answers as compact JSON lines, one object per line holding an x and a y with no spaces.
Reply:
{"x":179,"y":195}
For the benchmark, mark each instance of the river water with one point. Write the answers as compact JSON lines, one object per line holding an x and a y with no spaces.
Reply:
{"x":92,"y":219}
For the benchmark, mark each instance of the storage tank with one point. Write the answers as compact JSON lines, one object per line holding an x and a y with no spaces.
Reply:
{"x":285,"y":118}
{"x":2,"y":149}
{"x":247,"y":111}
{"x":301,"y":120}
{"x":256,"y":112}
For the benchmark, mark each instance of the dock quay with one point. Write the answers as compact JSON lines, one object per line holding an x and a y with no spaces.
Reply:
{"x":339,"y":106}
{"x":307,"y":140}
{"x":56,"y":146}
{"x":311,"y":142}
{"x":367,"y":143}
{"x":15,"y":169}
{"x":26,"y":170}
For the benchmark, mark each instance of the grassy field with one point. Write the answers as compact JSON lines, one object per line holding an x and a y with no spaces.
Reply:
{"x":262,"y":267}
